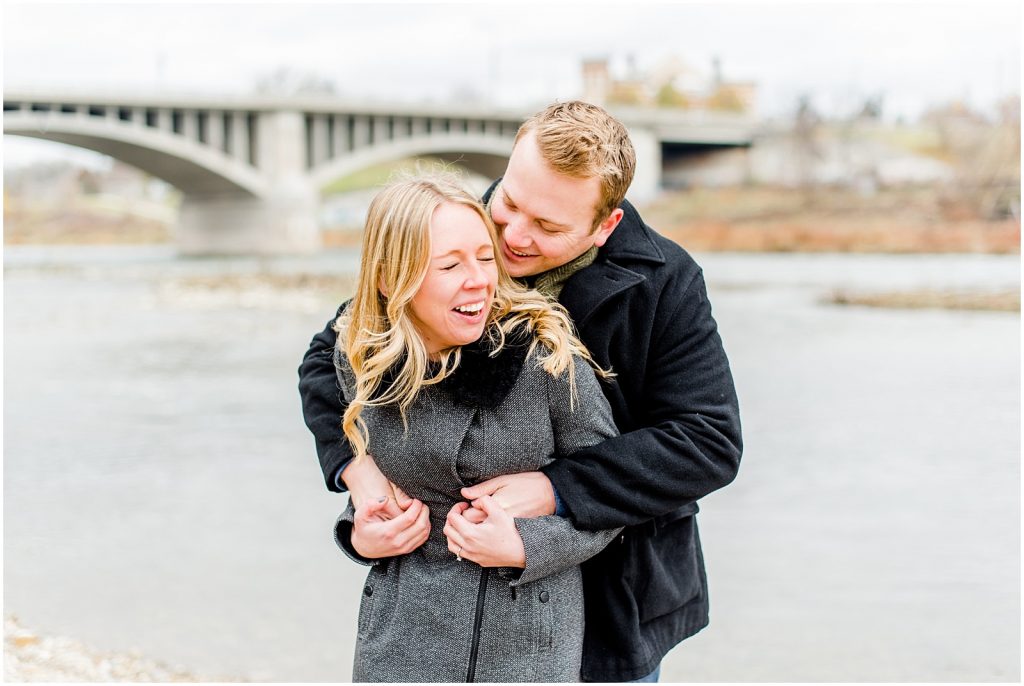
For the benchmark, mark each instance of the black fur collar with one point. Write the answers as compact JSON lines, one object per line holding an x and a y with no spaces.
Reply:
{"x":480,"y":379}
{"x":483,"y":380}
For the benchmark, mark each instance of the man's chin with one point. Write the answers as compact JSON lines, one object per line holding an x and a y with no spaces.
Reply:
{"x":522,"y":272}
{"x":519,"y":267}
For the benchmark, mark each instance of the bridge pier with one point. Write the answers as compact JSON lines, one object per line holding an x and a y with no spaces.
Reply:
{"x":647,"y":177}
{"x":282,"y":220}
{"x":284,"y":223}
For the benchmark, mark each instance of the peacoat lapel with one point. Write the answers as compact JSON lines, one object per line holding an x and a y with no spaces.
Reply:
{"x":609,"y":275}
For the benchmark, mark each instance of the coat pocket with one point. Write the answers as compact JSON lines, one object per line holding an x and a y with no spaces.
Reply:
{"x":545,"y":619}
{"x":669,"y":566}
{"x":366,"y":605}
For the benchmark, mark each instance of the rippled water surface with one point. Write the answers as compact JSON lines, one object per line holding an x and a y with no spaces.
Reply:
{"x":161,"y":492}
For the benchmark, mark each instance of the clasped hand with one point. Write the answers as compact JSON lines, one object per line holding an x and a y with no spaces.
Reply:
{"x":389,"y":523}
{"x":375,"y":534}
{"x":482,"y":532}
{"x":485,"y":534}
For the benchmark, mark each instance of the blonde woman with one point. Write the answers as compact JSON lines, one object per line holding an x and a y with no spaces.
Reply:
{"x":452,"y":375}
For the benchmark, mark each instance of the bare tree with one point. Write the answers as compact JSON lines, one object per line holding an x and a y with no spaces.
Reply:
{"x":805,"y":130}
{"x":285,"y":81}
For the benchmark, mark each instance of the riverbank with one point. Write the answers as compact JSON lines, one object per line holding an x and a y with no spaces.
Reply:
{"x":756,"y":219}
{"x":999,"y":301}
{"x":895,"y":221}
{"x":85,"y":222}
{"x":30,"y":657}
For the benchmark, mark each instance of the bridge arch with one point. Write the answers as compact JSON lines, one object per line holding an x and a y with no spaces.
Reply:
{"x":191,"y":167}
{"x":485,"y":155}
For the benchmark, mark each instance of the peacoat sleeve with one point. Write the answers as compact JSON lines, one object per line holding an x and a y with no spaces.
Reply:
{"x":323,"y":403}
{"x":578,"y":420}
{"x":686,"y":441}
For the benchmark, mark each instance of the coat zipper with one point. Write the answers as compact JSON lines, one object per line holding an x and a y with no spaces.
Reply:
{"x":477,"y":621}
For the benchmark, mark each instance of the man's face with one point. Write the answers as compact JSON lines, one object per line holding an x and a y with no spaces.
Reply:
{"x":545,"y":218}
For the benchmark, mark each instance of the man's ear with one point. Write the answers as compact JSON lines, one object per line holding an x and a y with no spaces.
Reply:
{"x":605,"y":228}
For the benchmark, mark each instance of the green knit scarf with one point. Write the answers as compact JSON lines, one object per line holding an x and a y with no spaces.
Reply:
{"x":550,"y":283}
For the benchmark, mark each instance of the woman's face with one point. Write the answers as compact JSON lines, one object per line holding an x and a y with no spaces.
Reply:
{"x":452,"y":305}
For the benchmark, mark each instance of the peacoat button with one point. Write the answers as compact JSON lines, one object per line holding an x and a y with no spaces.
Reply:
{"x":544,"y":596}
{"x":368,"y":591}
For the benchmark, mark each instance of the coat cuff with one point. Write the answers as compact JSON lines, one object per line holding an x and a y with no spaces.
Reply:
{"x":343,"y":536}
{"x":553,"y":545}
{"x":334,"y":457}
{"x":560,"y":510}
{"x":337,"y":476}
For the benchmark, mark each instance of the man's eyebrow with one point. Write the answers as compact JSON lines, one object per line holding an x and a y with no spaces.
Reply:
{"x":539,"y":220}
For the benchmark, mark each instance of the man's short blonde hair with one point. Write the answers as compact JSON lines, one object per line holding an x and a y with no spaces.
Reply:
{"x":583,"y":141}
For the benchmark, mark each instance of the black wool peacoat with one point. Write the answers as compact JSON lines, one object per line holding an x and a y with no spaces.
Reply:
{"x":642,"y":309}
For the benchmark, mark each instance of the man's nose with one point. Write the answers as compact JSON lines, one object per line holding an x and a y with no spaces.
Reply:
{"x":515,"y":233}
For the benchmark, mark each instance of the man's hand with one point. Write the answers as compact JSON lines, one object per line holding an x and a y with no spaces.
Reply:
{"x":366,"y":483}
{"x":528,"y":494}
{"x":495,"y":542}
{"x":374,"y":536}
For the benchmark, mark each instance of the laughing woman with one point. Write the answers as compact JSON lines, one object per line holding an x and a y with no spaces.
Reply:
{"x":453,"y":374}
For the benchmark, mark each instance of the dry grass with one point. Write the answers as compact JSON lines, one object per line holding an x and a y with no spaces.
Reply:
{"x":920,"y":220}
{"x":1004,"y":301}
{"x":827,"y":234}
{"x":80,"y":227}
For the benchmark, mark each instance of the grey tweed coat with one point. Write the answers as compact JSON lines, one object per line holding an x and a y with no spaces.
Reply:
{"x":426,"y":616}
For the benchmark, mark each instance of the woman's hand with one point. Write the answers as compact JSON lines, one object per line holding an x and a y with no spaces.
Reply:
{"x":374,"y":535}
{"x":493,"y":542}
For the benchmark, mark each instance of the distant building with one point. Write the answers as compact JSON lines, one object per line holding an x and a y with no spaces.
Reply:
{"x":671,"y":83}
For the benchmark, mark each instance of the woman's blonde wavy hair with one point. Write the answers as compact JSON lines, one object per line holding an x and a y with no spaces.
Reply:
{"x":376,"y":331}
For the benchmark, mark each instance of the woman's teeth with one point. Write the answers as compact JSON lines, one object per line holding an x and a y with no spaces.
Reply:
{"x":470,"y":309}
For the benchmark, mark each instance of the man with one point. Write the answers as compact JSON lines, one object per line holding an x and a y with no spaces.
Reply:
{"x":640,"y":305}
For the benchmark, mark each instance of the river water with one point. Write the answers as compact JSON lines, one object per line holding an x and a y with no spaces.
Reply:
{"x":161,"y":492}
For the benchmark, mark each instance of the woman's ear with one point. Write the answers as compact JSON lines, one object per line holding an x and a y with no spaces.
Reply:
{"x":381,"y":287}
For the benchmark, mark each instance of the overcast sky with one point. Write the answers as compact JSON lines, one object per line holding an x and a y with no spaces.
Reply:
{"x":915,"y":54}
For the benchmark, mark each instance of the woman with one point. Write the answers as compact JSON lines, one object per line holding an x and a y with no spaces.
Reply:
{"x":453,"y":374}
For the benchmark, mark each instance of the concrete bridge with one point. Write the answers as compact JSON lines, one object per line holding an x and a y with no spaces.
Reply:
{"x":251,"y":169}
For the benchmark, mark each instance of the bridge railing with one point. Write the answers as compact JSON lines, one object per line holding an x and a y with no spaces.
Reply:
{"x":232,"y":132}
{"x":330,"y":136}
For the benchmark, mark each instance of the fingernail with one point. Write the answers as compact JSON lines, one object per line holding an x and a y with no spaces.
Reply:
{"x":382,"y":499}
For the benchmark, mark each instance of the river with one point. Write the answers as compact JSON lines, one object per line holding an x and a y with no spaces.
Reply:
{"x":161,"y":493}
